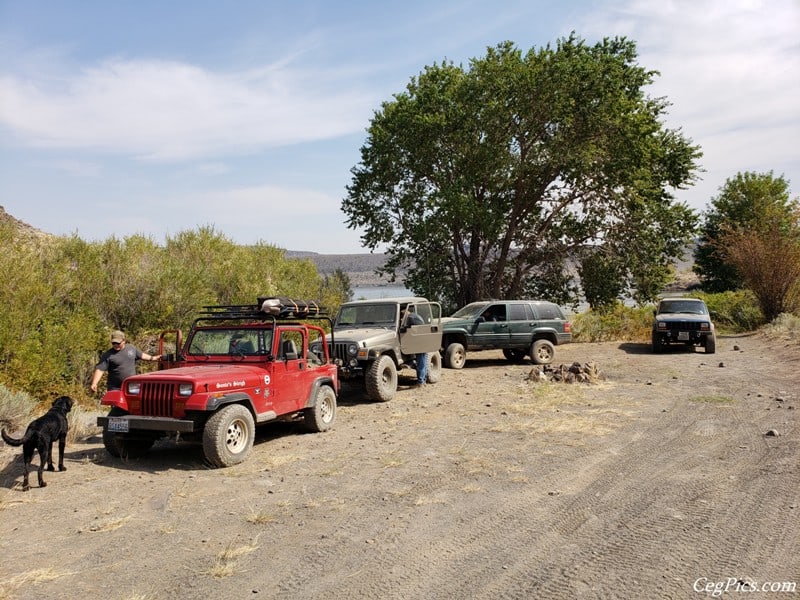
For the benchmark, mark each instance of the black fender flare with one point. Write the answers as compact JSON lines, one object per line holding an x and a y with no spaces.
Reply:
{"x":311,"y":401}
{"x":242,"y":398}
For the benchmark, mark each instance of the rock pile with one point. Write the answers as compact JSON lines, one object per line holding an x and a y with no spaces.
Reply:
{"x":574,"y":373}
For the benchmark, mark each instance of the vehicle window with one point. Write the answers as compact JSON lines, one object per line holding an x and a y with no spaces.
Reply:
{"x":291,"y":345}
{"x":494,"y":312}
{"x":367,"y":314}
{"x":516,"y":312}
{"x":682,"y":306}
{"x":469,"y":311}
{"x":549,"y":311}
{"x":428,"y":312}
{"x":244,"y":342}
{"x":316,"y":352}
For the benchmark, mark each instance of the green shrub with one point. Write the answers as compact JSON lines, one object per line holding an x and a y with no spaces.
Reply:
{"x":62,"y":296}
{"x":733,"y":312}
{"x":785,"y":326}
{"x":16,"y":408}
{"x":616,"y":323}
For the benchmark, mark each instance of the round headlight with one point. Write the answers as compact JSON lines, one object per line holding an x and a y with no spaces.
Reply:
{"x":352,"y":349}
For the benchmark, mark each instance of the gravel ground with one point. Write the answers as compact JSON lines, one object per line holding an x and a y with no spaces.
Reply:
{"x":674,"y":476}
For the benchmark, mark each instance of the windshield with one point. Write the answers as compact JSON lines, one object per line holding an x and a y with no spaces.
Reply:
{"x":470,"y":310}
{"x":682,"y":306}
{"x":367,"y":315}
{"x":233,"y":341}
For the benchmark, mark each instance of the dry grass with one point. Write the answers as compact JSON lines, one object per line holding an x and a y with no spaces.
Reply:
{"x":108,"y":525}
{"x":275,"y":461}
{"x":260,"y":517}
{"x":559,"y":408}
{"x":37,"y":576}
{"x":7,"y":499}
{"x":226,"y":563}
{"x":82,"y":424}
{"x":426,"y":500}
{"x":712,"y":399}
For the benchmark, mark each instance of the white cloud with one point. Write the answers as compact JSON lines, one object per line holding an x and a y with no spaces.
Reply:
{"x":730,"y":69}
{"x":166,"y":110}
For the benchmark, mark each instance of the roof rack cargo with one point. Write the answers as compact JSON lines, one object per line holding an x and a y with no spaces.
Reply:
{"x":272,"y":307}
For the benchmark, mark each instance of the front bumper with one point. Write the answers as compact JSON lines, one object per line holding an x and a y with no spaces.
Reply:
{"x":127,"y":423}
{"x":674,"y":336}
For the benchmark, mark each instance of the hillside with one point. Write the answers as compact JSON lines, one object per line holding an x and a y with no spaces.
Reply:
{"x":23,"y":229}
{"x":360,"y":268}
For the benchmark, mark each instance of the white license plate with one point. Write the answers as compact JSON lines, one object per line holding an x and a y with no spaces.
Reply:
{"x":118,"y":424}
{"x":683,"y":336}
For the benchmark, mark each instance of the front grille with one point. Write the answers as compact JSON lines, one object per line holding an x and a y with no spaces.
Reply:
{"x":684,"y":325}
{"x":340,"y":351}
{"x":157,"y":398}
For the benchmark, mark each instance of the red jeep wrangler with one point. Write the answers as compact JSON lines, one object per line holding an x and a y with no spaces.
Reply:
{"x":241,"y":366}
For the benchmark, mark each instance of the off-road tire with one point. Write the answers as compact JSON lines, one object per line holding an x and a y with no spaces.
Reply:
{"x":434,"y":368}
{"x":514,"y":355}
{"x":381,"y":379}
{"x":711,"y":343}
{"x":228,"y":436}
{"x":322,"y":415}
{"x":122,"y":445}
{"x":455,"y":356}
{"x":542,"y":352}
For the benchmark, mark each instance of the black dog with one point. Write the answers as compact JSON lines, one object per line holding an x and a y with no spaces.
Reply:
{"x":40,"y":436}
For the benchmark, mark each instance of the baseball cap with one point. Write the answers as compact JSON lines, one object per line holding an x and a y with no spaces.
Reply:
{"x":117,"y":336}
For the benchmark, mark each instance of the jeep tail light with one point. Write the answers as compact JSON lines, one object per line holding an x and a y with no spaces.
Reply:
{"x":566,"y":327}
{"x":185,"y":389}
{"x":134,"y":388}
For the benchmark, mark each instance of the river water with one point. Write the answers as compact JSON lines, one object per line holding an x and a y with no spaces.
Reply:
{"x":374,"y":292}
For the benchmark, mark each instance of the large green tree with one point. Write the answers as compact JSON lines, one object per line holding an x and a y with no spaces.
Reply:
{"x":478,"y":181}
{"x":749,"y":201}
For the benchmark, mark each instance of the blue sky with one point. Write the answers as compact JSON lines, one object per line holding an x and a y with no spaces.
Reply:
{"x":156,"y":117}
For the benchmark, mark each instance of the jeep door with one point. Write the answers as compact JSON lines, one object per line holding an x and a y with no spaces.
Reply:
{"x":491,"y":328}
{"x":424,"y":337}
{"x":290,"y":374}
{"x":521,"y":324}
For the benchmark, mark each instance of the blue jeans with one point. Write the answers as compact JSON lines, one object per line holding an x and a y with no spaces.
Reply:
{"x":422,"y":367}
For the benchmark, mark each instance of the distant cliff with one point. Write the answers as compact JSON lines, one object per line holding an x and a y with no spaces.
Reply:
{"x":360,"y":268}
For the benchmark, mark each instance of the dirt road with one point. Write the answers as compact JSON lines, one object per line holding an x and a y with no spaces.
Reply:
{"x":659,"y":482}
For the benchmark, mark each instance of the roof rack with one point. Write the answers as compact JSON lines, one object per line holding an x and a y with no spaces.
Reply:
{"x":272,"y":307}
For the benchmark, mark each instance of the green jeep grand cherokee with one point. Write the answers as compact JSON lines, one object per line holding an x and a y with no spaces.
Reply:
{"x":519,"y":328}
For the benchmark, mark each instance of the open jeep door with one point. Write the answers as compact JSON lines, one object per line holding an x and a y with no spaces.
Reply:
{"x":420,"y":328}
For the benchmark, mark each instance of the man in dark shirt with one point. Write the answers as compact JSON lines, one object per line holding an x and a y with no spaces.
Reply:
{"x":119,"y":361}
